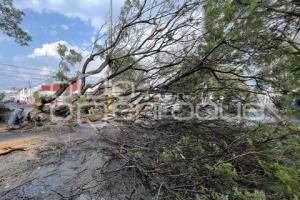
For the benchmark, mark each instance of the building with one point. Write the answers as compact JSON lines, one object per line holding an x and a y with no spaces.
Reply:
{"x":25,"y":95}
{"x":51,"y":88}
{"x":10,"y":95}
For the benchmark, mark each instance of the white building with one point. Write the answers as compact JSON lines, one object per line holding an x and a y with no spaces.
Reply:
{"x":25,"y":95}
{"x":10,"y":95}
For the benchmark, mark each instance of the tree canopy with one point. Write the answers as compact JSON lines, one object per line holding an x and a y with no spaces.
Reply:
{"x":10,"y":19}
{"x":234,"y":49}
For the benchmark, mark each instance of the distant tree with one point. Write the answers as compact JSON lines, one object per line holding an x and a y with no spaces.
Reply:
{"x":10,"y":19}
{"x":2,"y":95}
{"x":36,"y":96}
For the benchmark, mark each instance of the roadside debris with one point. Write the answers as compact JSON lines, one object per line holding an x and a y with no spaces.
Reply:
{"x":11,"y":150}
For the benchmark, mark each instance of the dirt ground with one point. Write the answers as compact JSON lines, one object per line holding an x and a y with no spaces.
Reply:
{"x":2,"y":128}
{"x":60,"y":162}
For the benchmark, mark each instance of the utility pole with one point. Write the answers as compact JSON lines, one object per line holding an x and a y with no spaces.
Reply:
{"x":110,"y":22}
{"x":110,"y":85}
{"x":29,"y":93}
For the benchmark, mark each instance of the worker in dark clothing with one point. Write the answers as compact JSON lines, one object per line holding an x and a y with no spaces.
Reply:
{"x":15,"y":118}
{"x":297,"y":103}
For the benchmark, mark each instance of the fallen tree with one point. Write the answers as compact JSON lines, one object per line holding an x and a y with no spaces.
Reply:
{"x":220,"y":51}
{"x":174,"y":47}
{"x":206,"y":160}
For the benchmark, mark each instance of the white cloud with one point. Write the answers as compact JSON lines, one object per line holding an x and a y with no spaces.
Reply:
{"x":64,"y":27}
{"x":50,"y":49}
{"x":91,"y":11}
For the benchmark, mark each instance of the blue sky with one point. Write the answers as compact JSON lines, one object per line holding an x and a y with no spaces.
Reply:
{"x":49,"y":22}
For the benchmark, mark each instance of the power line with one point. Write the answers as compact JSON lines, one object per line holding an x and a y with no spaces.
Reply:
{"x":27,"y":73}
{"x":20,"y":66}
{"x":35,"y":80}
{"x":22,"y":77}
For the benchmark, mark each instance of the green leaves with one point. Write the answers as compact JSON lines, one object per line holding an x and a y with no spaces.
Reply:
{"x":10,"y":19}
{"x":287,"y":178}
{"x":229,"y":12}
{"x":246,"y":195}
{"x":254,"y":36}
{"x":73,"y":57}
{"x":273,"y":172}
{"x":69,"y":58}
{"x":62,"y":50}
{"x":225,"y":170}
{"x":171,"y":155}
